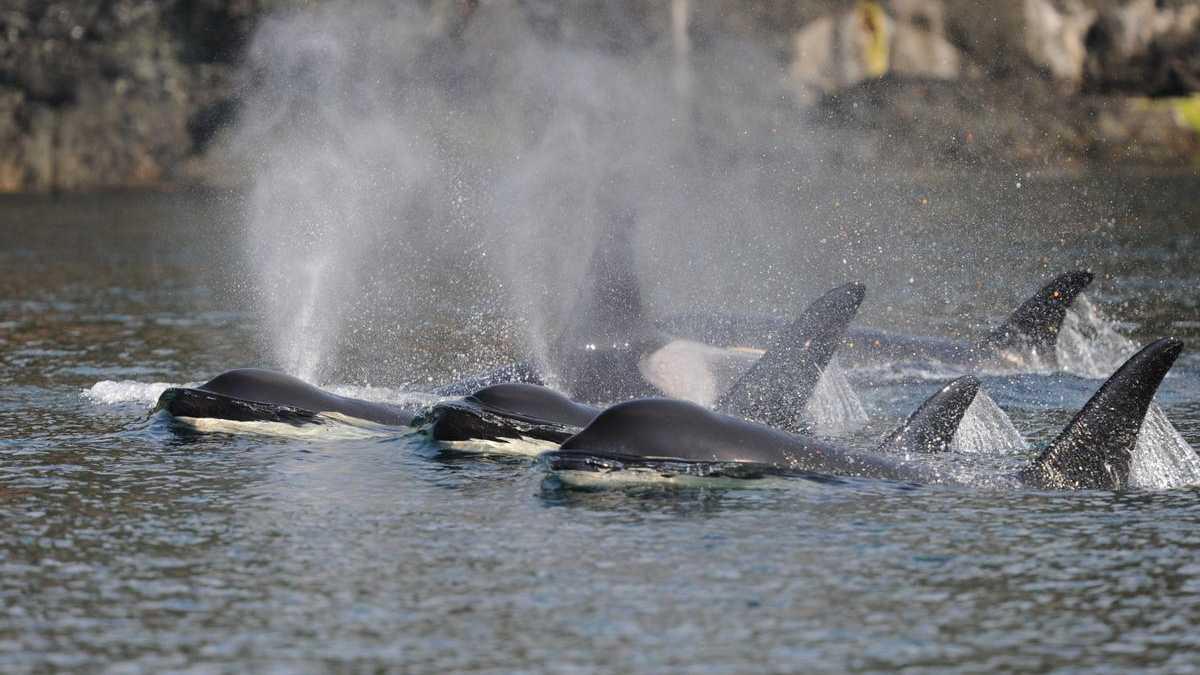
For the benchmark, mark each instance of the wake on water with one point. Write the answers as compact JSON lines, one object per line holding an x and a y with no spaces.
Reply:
{"x":1162,"y":459}
{"x":1088,"y":345}
{"x":329,"y":426}
{"x":110,"y":392}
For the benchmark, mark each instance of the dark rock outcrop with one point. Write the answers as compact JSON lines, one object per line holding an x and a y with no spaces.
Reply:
{"x":124,"y":93}
{"x":113,"y":94}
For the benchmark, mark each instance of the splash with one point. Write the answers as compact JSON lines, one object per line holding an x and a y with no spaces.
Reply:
{"x":986,"y":428}
{"x":110,"y":392}
{"x":1162,"y":458}
{"x":130,"y":391}
{"x":405,"y":398}
{"x":338,"y":167}
{"x":834,"y":408}
{"x":389,"y":149}
{"x":1089,"y":344}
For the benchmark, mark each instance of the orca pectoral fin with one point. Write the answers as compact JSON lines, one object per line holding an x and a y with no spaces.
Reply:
{"x":1036,"y":323}
{"x":1096,"y":449}
{"x":933,"y":425}
{"x":776,"y":388}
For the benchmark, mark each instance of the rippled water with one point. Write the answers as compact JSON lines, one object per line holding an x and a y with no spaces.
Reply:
{"x":133,"y":545}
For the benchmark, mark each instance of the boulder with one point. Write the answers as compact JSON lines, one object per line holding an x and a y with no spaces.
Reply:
{"x":1145,"y":47}
{"x":842,"y":49}
{"x":1054,"y":35}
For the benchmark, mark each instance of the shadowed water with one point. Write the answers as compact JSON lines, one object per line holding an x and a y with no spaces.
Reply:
{"x":136,"y":545}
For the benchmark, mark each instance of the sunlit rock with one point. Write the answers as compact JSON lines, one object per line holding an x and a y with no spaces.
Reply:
{"x":919,"y":45}
{"x":1054,"y":37}
{"x":1146,"y":47}
{"x":840,"y":50}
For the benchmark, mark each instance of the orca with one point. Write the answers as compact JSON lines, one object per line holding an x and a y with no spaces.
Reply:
{"x":507,"y":412}
{"x":783,"y":380}
{"x":597,"y":356}
{"x":611,"y":351}
{"x":672,"y":437}
{"x":774,"y":390}
{"x":257,"y":395}
{"x":1033,"y":328}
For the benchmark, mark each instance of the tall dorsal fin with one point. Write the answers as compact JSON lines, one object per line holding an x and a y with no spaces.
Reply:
{"x":597,"y":354}
{"x":776,"y":388}
{"x":1096,"y":449}
{"x":1036,"y":323}
{"x":931,"y":427}
{"x":610,"y":297}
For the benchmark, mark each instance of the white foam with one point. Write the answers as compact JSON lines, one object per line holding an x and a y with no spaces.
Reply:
{"x":834,"y":408}
{"x":986,"y":428}
{"x":132,"y":391}
{"x":127,"y":391}
{"x":1089,"y":344}
{"x":1162,"y":458}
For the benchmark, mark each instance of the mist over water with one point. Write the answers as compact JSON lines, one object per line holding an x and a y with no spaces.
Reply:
{"x":136,"y":545}
{"x":383,"y":144}
{"x":342,"y":169}
{"x":424,"y":194}
{"x":390,"y":152}
{"x":1089,"y":344}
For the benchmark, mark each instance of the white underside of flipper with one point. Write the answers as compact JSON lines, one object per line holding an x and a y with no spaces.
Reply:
{"x":696,"y":372}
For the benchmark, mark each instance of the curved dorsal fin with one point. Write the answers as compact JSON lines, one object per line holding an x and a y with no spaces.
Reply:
{"x":776,"y":388}
{"x":1095,"y":450}
{"x":931,"y":427}
{"x":1035,"y":324}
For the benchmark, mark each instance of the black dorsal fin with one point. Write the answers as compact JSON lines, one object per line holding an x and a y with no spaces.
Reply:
{"x":1096,"y":449}
{"x":1036,"y":323}
{"x":596,"y":357}
{"x":775,"y":390}
{"x":609,"y":304}
{"x":932,"y":426}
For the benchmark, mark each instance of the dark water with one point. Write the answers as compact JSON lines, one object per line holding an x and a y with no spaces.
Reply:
{"x":134,"y":546}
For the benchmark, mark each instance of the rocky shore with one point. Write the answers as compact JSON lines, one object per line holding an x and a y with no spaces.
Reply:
{"x":144,"y":93}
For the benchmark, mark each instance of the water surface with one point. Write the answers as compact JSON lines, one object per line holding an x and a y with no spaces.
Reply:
{"x":134,"y":545}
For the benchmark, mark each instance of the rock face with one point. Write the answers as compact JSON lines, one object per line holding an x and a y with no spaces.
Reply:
{"x":1145,"y":47}
{"x":1055,"y":37}
{"x":113,"y":94}
{"x":864,"y":42}
{"x":1027,"y":82}
{"x":141,"y":92}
